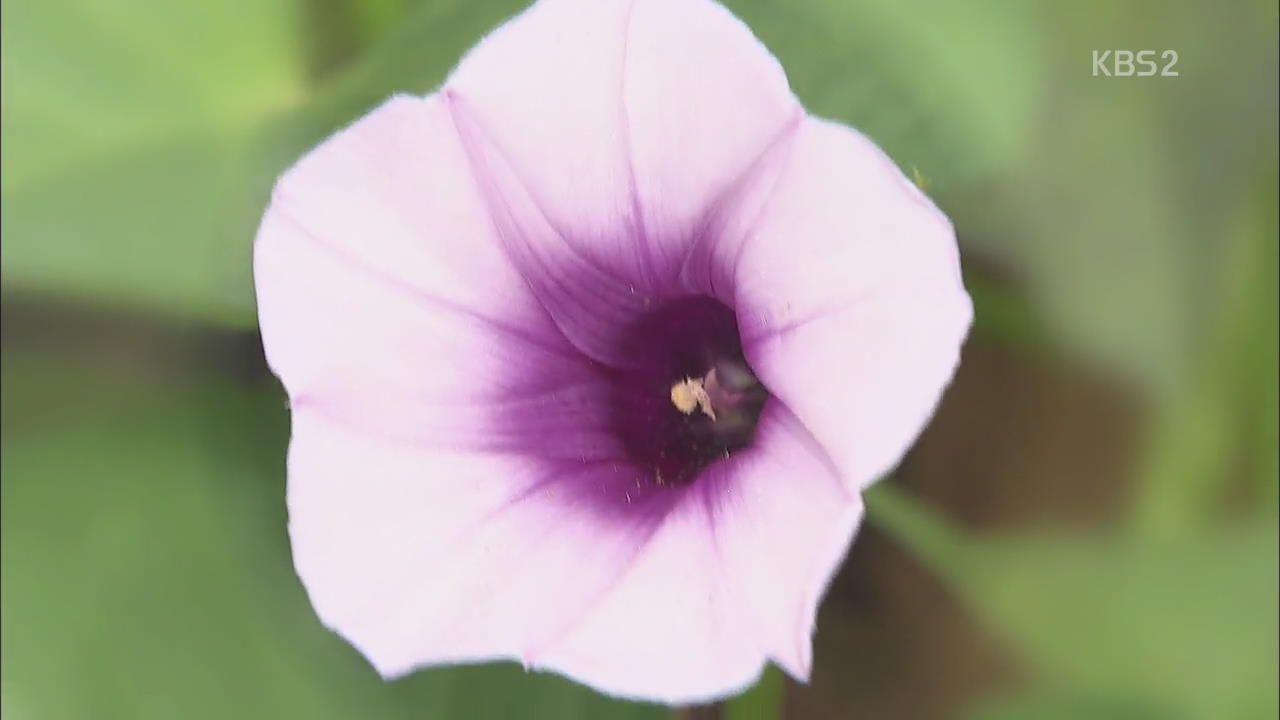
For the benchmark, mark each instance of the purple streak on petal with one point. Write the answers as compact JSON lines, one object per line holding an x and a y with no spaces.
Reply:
{"x":797,"y":322}
{"x":555,"y":115}
{"x":644,"y":258}
{"x":730,"y":214}
{"x":532,"y":655}
{"x":702,"y":99}
{"x":520,"y":332}
{"x":587,"y":304}
{"x":783,"y":519}
{"x":560,"y":491}
{"x":685,"y":640}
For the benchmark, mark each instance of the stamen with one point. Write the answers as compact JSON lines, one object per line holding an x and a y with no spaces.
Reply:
{"x":690,"y":394}
{"x":710,"y":393}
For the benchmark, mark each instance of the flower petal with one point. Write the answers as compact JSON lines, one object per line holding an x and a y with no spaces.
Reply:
{"x":441,"y":423}
{"x":784,"y":524}
{"x":733,"y":577}
{"x":850,"y":299}
{"x":626,"y":120}
{"x":667,"y":630}
{"x":385,"y":297}
{"x":424,"y":556}
{"x":704,"y":99}
{"x":589,"y":303}
{"x":394,"y":193}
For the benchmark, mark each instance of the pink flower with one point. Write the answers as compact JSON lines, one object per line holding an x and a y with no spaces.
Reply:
{"x":592,"y":352}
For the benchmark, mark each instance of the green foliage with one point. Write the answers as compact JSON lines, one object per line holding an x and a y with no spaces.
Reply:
{"x":763,"y":701}
{"x":142,"y":138}
{"x":1120,"y":215}
{"x":930,"y":81}
{"x":125,"y":131}
{"x":1123,"y":626}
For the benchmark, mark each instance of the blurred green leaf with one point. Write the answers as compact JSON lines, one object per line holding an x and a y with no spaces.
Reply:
{"x":763,"y":701}
{"x":1056,"y":704}
{"x":1170,"y":627}
{"x":949,"y":90}
{"x":124,"y":127}
{"x":1004,"y":316}
{"x":339,"y":30}
{"x":146,"y":572}
{"x":1120,"y":215}
{"x":142,"y":138}
{"x":1223,"y":423}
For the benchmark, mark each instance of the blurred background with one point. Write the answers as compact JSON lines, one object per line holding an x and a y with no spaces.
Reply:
{"x":1088,"y":529}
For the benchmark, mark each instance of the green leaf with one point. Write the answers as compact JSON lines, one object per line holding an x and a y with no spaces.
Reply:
{"x":124,"y":131}
{"x":1134,"y":626}
{"x":763,"y":701}
{"x":142,"y":138}
{"x":146,"y":572}
{"x":1226,"y":416}
{"x":1118,"y":214}
{"x":1048,"y":703}
{"x":949,"y":90}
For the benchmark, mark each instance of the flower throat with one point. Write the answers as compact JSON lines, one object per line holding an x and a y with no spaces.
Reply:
{"x":689,"y":398}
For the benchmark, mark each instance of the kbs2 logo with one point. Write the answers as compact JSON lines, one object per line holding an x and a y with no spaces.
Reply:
{"x":1126,"y":63}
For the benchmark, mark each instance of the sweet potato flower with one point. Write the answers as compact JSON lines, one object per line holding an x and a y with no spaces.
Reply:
{"x":591,"y":353}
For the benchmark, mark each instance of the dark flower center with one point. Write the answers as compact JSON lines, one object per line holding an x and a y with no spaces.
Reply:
{"x":688,"y":398}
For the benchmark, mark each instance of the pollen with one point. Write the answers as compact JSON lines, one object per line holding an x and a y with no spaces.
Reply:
{"x":689,"y":395}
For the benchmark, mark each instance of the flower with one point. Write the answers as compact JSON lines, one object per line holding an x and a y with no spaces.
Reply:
{"x":591,"y":353}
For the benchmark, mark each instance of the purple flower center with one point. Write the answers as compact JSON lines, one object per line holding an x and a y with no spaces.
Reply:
{"x":627,"y":436}
{"x":689,"y":399}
